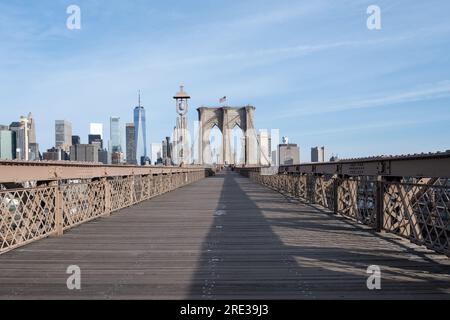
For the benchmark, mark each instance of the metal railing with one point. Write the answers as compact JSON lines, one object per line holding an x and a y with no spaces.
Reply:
{"x":30,"y":214}
{"x":414,"y":208}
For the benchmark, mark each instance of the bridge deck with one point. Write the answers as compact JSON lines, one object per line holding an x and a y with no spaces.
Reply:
{"x":223,"y":237}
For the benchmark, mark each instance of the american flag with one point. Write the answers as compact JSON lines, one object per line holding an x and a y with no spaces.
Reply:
{"x":222,"y":100}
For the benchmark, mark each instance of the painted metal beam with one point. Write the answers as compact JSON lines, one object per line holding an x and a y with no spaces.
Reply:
{"x":21,"y":171}
{"x":423,"y":165}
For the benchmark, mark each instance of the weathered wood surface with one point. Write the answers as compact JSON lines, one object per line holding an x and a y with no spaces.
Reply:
{"x":223,"y":237}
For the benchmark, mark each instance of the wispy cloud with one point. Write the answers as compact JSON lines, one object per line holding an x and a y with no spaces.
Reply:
{"x":259,"y":14}
{"x":291,"y":51}
{"x":425,"y":92}
{"x":373,"y":125}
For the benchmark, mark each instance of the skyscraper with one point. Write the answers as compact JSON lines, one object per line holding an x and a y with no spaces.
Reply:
{"x":84,"y":152}
{"x":140,"y":133}
{"x":156,"y":152}
{"x":166,"y":146}
{"x":21,"y":142}
{"x":33,"y":145}
{"x":34,"y":153}
{"x":32,"y":129}
{"x":129,"y":137}
{"x":164,"y":149}
{"x":318,"y":154}
{"x":114,"y":134}
{"x":96,"y":139}
{"x":25,"y":135}
{"x":288,"y":153}
{"x":76,"y":140}
{"x":169,"y":149}
{"x":116,"y":158}
{"x":96,"y":129}
{"x":63,"y":135}
{"x":7,"y":145}
{"x":103,"y":156}
{"x":54,"y":154}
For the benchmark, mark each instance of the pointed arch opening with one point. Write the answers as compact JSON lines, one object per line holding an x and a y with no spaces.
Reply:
{"x":223,"y":117}
{"x":215,"y":146}
{"x":237,"y":146}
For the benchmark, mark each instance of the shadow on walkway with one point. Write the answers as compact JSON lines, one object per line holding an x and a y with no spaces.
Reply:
{"x":279,"y":250}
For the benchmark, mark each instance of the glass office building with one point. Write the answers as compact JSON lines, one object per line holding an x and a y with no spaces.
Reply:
{"x":129,"y":142}
{"x":115,"y":134}
{"x":7,"y":145}
{"x":140,"y":134}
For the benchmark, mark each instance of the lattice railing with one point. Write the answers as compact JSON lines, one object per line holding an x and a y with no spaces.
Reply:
{"x":414,"y":208}
{"x":419,"y":212}
{"x":357,"y":199}
{"x":82,"y":202}
{"x":121,"y":192}
{"x":30,"y":214}
{"x":322,"y":191}
{"x":26,"y":215}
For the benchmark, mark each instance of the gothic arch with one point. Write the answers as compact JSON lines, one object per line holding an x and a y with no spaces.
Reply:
{"x":237,"y":143}
{"x":226,"y":118}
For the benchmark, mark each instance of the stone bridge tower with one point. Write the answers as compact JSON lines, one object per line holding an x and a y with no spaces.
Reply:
{"x":226,"y":118}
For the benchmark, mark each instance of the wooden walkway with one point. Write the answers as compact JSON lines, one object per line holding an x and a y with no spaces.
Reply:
{"x":223,"y":237}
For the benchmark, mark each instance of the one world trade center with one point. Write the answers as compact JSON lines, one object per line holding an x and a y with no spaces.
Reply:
{"x":140,"y":133}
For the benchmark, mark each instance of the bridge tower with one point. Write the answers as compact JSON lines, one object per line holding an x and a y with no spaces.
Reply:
{"x":225,"y":118}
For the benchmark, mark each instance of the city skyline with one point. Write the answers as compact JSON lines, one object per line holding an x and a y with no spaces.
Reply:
{"x":313,"y":70}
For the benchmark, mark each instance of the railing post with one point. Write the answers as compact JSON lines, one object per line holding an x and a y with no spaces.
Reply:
{"x":59,"y":219}
{"x":130,"y":181}
{"x":160,"y":184}
{"x":292,"y":185}
{"x":336,"y":194}
{"x":107,"y":188}
{"x":312,"y":188}
{"x":153,"y":186}
{"x":379,"y":204}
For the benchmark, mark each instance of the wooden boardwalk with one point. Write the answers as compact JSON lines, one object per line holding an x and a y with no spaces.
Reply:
{"x":223,"y":237}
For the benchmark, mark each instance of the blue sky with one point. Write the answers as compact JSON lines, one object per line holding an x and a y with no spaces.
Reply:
{"x":311,"y":68}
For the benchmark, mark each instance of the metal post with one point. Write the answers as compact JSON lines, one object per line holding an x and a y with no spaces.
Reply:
{"x":107,"y":188}
{"x":336,"y":194}
{"x":153,"y":186}
{"x":59,"y":219}
{"x":312,"y":188}
{"x":130,"y":180}
{"x":379,"y":205}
